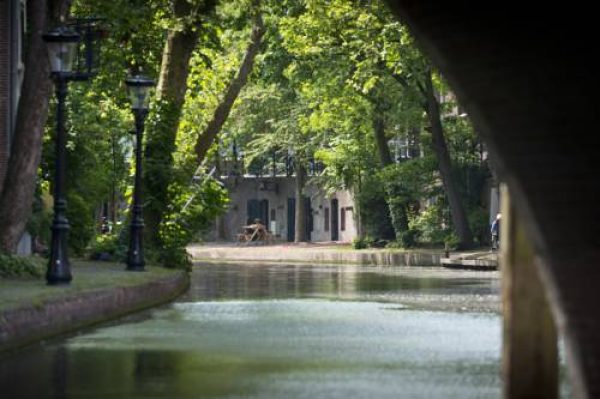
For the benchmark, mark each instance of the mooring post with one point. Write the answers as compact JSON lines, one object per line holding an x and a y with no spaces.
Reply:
{"x":530,"y":353}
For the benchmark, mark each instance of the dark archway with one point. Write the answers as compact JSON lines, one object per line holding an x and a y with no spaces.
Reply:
{"x":527,"y":80}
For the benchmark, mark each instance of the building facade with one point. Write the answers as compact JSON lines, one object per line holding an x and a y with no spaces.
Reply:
{"x":13,"y":25}
{"x":12,"y":30}
{"x":273,"y":201}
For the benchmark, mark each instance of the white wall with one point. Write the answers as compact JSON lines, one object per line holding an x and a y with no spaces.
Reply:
{"x":243,"y":189}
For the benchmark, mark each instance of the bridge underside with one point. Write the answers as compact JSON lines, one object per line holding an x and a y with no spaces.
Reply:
{"x":527,"y":80}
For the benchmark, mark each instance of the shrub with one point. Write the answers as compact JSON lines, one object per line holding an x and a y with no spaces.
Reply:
{"x":394,"y":245}
{"x":451,"y":241}
{"x":362,"y":243}
{"x":358,"y":243}
{"x":408,"y":238}
{"x":81,"y":220}
{"x":107,"y":247}
{"x":430,"y":224}
{"x":193,"y":209}
{"x":379,"y":243}
{"x":478,"y":221}
{"x":374,"y":210}
{"x":21,"y":266}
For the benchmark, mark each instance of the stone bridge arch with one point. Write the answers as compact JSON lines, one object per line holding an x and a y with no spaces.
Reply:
{"x":527,"y":79}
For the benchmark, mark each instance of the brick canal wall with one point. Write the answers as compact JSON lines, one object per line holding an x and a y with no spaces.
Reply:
{"x":27,"y":324}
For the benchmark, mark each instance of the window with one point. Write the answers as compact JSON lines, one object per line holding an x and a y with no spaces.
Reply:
{"x":326,"y":227}
{"x":342,"y":219}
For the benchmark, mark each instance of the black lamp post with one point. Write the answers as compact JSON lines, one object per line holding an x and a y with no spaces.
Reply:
{"x":139,"y":92}
{"x":62,"y":46}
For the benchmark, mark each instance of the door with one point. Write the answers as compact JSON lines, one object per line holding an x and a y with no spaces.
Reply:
{"x":334,"y":220}
{"x":264,"y":212}
{"x":291,"y":219}
{"x":252,"y":210}
{"x":257,"y":209}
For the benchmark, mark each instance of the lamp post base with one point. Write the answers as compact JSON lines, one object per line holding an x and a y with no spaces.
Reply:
{"x":135,"y":254}
{"x":53,"y":280}
{"x":135,"y":267}
{"x":135,"y":261}
{"x":59,"y":267}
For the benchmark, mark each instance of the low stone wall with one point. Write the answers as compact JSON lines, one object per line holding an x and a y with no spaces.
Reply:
{"x":26,"y":324}
{"x":376,"y":258}
{"x":315,"y":255}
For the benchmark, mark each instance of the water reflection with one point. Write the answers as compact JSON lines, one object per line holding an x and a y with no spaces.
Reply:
{"x":59,"y":373}
{"x":284,"y":332}
{"x":425,"y":288}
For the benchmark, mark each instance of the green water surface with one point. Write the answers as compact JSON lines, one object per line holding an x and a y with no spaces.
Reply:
{"x":285,"y":332}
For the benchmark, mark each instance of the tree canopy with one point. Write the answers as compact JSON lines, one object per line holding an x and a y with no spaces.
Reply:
{"x":339,"y":82}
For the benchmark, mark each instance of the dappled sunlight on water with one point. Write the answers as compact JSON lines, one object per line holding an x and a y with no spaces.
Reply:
{"x":424,"y":288}
{"x":285,"y":332}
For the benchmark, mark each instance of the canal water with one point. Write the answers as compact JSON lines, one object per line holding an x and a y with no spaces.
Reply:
{"x":285,"y":332}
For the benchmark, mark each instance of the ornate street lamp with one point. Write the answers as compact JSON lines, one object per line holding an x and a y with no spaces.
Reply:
{"x":62,"y":48}
{"x":88,"y":54}
{"x":139,"y":92}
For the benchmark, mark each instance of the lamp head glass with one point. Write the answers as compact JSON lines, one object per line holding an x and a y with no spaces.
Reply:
{"x":139,"y":88}
{"x":62,"y":45}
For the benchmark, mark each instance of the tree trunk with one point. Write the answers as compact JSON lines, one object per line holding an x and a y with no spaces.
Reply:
{"x":457,"y":210}
{"x":206,"y":139}
{"x":19,"y":184}
{"x":395,"y":212}
{"x":163,"y":125}
{"x":300,"y":232}
{"x":383,"y":149}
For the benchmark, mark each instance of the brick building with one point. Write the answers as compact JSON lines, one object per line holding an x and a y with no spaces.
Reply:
{"x":12,"y":29}
{"x":13,"y":25}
